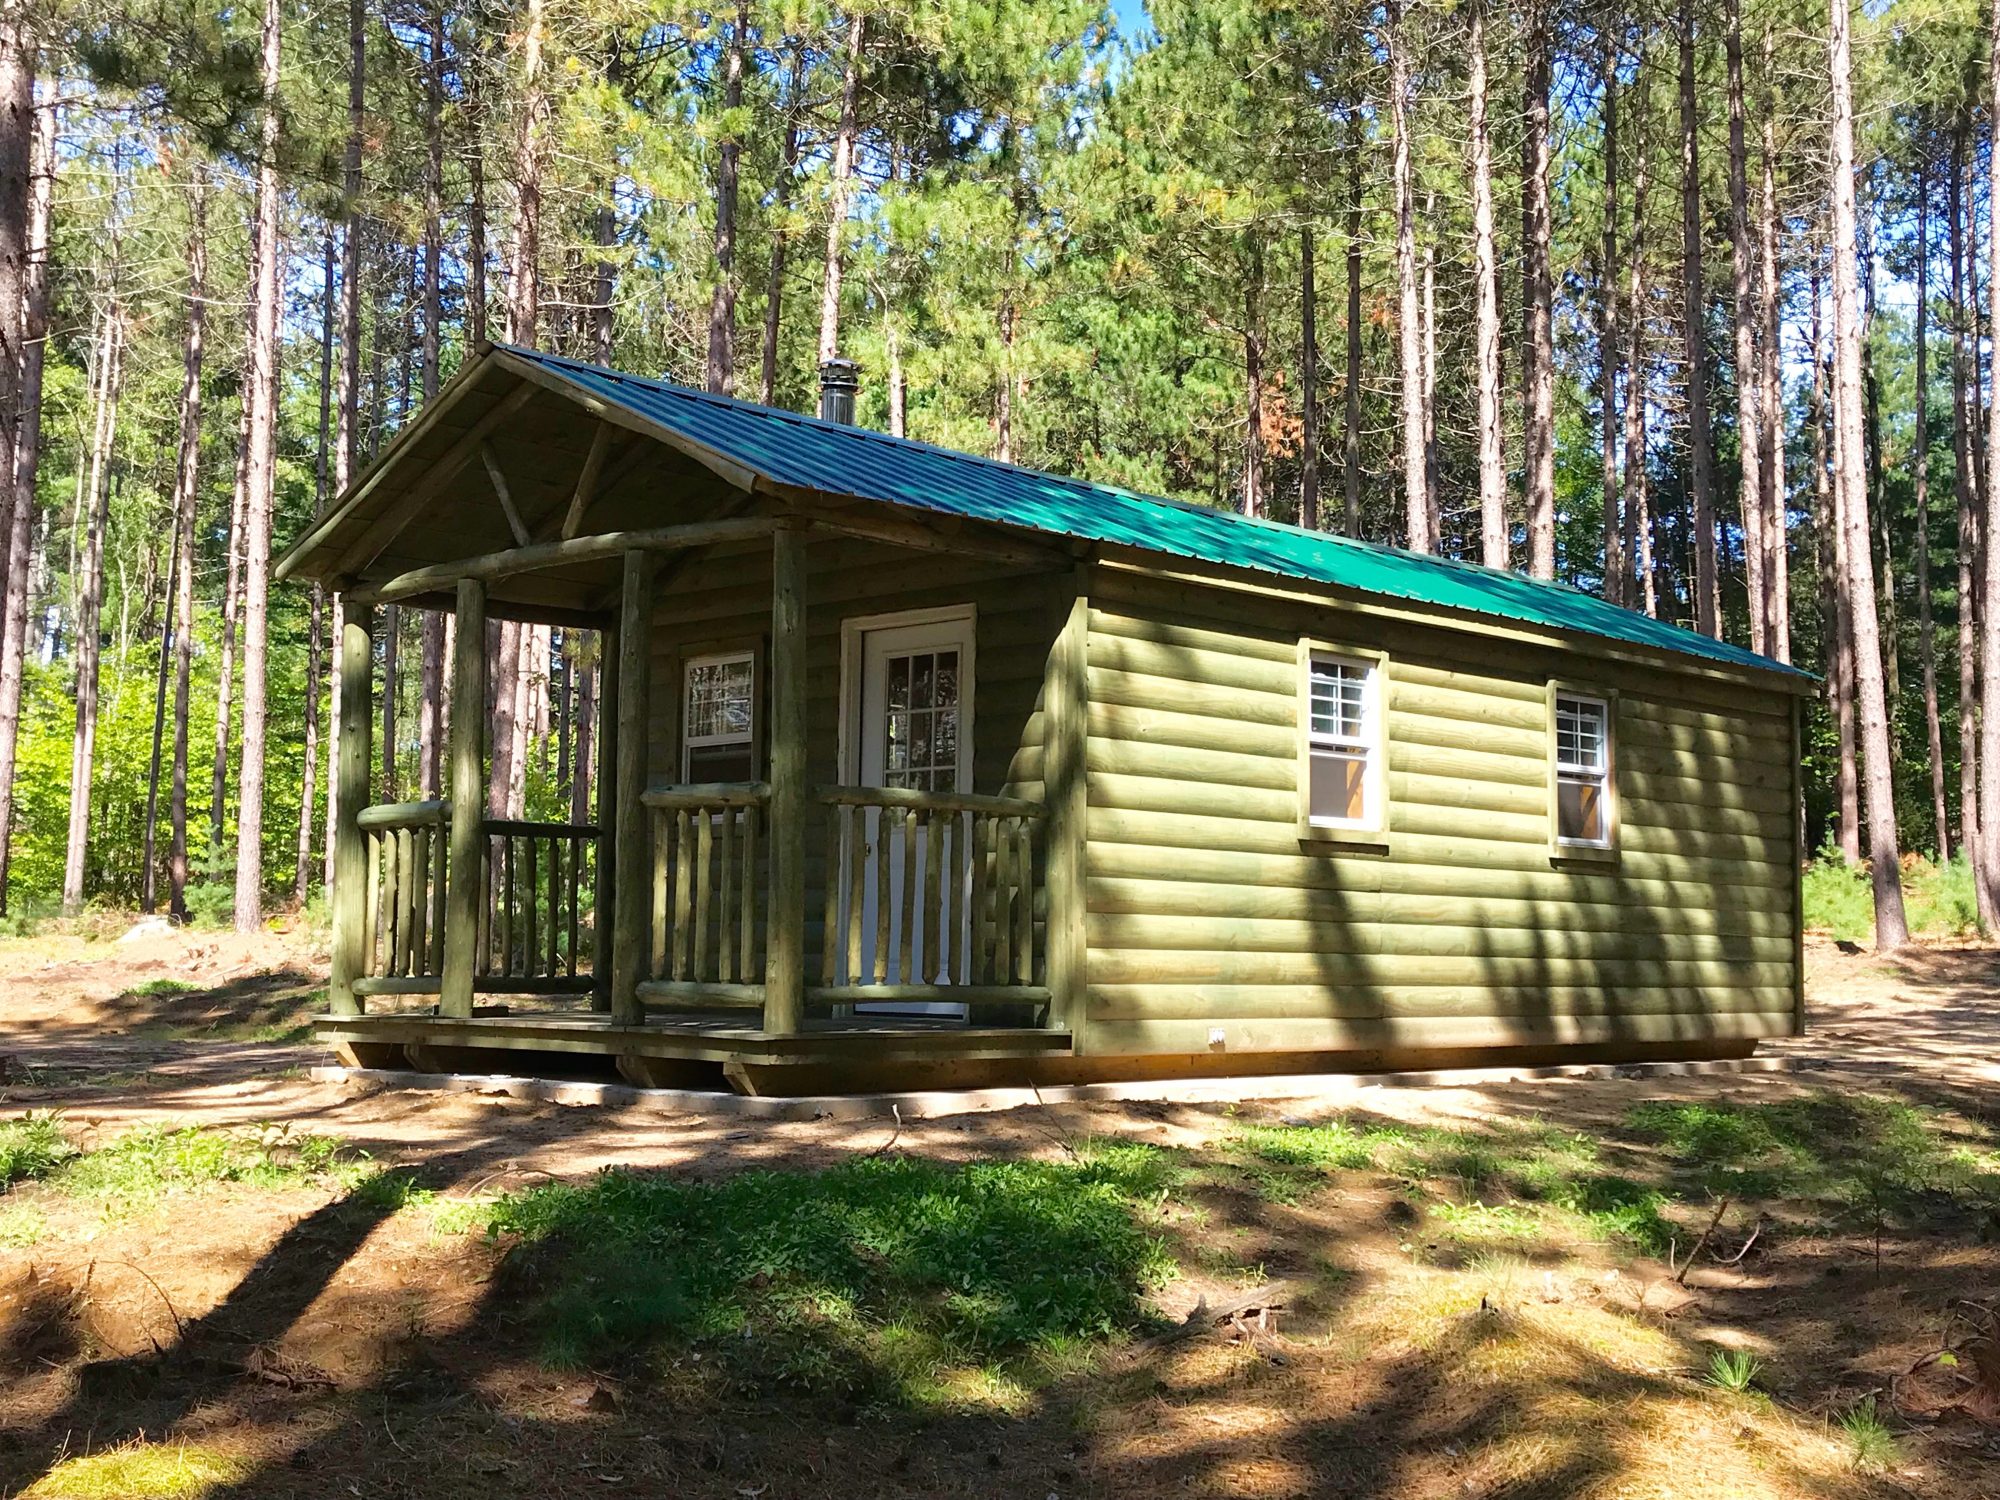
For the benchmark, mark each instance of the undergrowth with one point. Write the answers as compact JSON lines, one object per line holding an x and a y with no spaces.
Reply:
{"x":1938,"y":899}
{"x":876,"y":1278}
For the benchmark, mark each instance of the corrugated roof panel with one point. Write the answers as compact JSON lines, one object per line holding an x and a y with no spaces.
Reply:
{"x":869,"y":465}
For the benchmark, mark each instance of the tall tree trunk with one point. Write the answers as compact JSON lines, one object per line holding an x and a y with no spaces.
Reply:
{"x":1308,"y":388}
{"x":524,"y":299}
{"x":781,"y":197}
{"x":187,"y":498}
{"x":1745,"y":303}
{"x":17,"y":540}
{"x":503,"y":653}
{"x":1493,"y":535}
{"x":1607,"y":332}
{"x":232,"y":610}
{"x":843,"y":172}
{"x":90,"y":595}
{"x":1891,"y":930}
{"x":1833,"y":595}
{"x":148,"y":872}
{"x":1350,"y":439}
{"x":1537,"y":300}
{"x":260,"y":483}
{"x":475,"y":211}
{"x":1963,"y":380}
{"x":722,"y":302}
{"x":582,"y":759}
{"x":1701,"y":454}
{"x":1777,"y":567}
{"x":1432,"y":498}
{"x":433,"y":202}
{"x":1989,"y":599}
{"x":898,"y":382}
{"x":347,"y":451}
{"x":1409,"y":326}
{"x":1638,"y":510}
{"x":17,"y":190}
{"x":309,"y":754}
{"x":392,"y":631}
{"x":1253,"y":384}
{"x":1927,"y":636}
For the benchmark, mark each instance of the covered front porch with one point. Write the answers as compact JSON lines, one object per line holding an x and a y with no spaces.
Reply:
{"x":840,"y":905}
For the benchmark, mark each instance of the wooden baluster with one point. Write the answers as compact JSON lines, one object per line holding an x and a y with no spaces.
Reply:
{"x":747,"y":937}
{"x":576,"y":846}
{"x":1003,"y":894}
{"x":934,"y":884}
{"x":402,"y":895}
{"x":683,"y":889}
{"x":440,"y":871}
{"x":663,"y":848}
{"x":829,"y":927}
{"x":857,"y":892}
{"x":975,"y":958}
{"x":371,"y":907}
{"x":954,"y":925}
{"x":415,"y":867}
{"x":704,"y":894}
{"x":885,"y":833}
{"x":484,"y":947}
{"x":907,"y":897}
{"x":531,"y":887}
{"x":725,"y":900}
{"x":555,"y":905}
{"x":1024,"y":901}
{"x":506,"y":883}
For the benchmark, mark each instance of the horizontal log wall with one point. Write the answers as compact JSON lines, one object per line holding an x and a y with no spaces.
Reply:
{"x":1206,"y":910}
{"x":721,"y":599}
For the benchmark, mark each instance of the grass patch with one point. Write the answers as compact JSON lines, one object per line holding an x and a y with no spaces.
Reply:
{"x":888,"y":1279}
{"x":160,"y":1472}
{"x":1840,"y":1161}
{"x":1734,"y":1371}
{"x":154,"y":988}
{"x":31,"y":1147}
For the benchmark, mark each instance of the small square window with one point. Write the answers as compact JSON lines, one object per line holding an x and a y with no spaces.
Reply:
{"x":720,"y":711}
{"x":1342,"y":746}
{"x":1583,"y":770}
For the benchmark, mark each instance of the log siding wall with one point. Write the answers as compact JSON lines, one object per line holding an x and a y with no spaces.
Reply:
{"x":1207,"y":910}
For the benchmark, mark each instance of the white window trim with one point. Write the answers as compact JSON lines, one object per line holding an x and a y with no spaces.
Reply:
{"x":1603,"y":776}
{"x":690,"y":742}
{"x":1372,"y":742}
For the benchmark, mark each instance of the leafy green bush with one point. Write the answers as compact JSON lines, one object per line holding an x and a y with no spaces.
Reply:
{"x":1838,"y":899}
{"x":871,"y":1275}
{"x":32,"y":1146}
{"x":1938,"y":899}
{"x":1941,"y":900}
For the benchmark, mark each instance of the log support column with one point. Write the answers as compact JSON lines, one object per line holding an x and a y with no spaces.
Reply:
{"x":355,"y":654}
{"x":1067,"y":698}
{"x":784,"y":964}
{"x":604,"y":816}
{"x":468,"y":801}
{"x":628,"y":821}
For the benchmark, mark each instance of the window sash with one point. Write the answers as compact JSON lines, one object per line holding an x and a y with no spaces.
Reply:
{"x":1582,"y":737}
{"x":744,"y":737}
{"x":1342,"y":730}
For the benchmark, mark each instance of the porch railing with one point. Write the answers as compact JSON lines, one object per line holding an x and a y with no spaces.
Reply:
{"x":927,"y":893}
{"x":402,"y":937}
{"x":708,"y":889}
{"x":537,"y":908}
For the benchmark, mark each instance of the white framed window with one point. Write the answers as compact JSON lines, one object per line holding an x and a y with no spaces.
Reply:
{"x":1583,"y":789}
{"x":719,"y":718}
{"x":1343,"y":750}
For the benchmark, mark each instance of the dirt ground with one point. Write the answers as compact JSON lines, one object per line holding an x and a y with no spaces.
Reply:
{"x":296,"y":1341}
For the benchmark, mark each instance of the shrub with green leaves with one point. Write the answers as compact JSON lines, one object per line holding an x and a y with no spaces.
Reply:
{"x":31,"y":1147}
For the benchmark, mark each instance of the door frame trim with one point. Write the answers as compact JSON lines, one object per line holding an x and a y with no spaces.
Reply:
{"x":852,"y":629}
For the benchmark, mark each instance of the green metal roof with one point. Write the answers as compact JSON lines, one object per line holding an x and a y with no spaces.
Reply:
{"x":856,"y":461}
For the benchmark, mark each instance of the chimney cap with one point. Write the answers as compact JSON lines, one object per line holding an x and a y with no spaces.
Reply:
{"x":839,"y":374}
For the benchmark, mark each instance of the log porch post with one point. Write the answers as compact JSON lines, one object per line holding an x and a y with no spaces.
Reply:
{"x":356,"y":657}
{"x":1067,"y":701}
{"x":604,"y":815}
{"x":784,"y":964}
{"x":628,"y":823}
{"x":468,"y":801}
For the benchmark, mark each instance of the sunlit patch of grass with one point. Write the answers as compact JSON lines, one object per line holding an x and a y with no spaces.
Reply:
{"x":22,"y":1225}
{"x":897,"y":1279}
{"x":159,"y":1471}
{"x":1834,"y":1159}
{"x":154,"y":988}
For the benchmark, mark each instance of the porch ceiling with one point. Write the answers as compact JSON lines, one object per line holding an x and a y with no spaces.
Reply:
{"x":430,"y":497}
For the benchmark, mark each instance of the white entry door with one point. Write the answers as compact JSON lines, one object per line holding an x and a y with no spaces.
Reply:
{"x":914,"y":722}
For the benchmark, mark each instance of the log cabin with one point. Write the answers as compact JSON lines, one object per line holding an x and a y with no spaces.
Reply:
{"x":917,"y":769}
